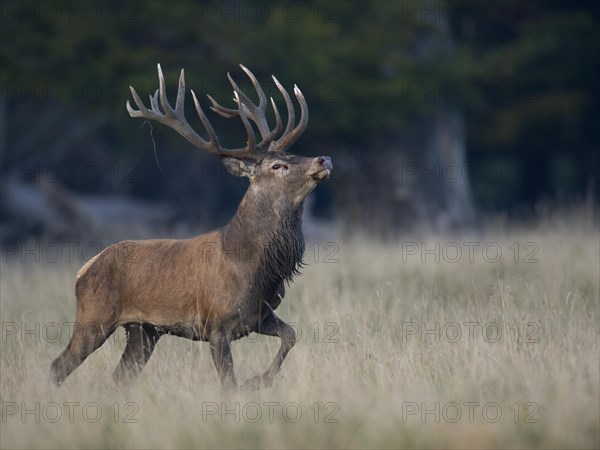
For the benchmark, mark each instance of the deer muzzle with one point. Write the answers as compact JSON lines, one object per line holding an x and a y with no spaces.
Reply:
{"x":322,"y":168}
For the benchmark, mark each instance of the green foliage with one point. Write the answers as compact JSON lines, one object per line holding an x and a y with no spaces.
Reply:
{"x":523,"y":73}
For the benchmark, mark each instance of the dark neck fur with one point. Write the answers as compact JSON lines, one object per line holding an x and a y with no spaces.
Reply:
{"x":267,"y":232}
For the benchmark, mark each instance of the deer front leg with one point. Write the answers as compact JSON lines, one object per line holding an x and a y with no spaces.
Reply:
{"x":220,"y":349}
{"x":273,"y":326}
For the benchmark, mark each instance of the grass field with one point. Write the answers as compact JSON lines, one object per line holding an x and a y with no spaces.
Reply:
{"x":488,"y":341}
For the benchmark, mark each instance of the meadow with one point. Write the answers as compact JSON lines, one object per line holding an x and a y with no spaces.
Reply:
{"x":488,"y":340}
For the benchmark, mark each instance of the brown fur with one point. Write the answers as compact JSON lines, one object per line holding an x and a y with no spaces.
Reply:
{"x":216,"y":287}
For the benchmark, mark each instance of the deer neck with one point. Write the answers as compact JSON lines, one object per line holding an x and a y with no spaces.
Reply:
{"x":267,"y":231}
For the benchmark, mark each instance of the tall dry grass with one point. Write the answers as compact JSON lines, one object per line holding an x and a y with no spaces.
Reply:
{"x":396,"y":350}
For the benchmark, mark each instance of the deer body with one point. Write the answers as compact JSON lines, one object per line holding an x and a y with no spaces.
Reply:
{"x":216,"y":287}
{"x":187,"y":286}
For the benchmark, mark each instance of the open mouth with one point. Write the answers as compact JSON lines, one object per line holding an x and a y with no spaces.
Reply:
{"x":321,"y":174}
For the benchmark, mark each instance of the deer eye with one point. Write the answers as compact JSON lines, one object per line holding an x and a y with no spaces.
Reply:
{"x":276,"y":166}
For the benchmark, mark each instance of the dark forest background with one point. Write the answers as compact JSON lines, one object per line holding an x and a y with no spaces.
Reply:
{"x":436,"y":113}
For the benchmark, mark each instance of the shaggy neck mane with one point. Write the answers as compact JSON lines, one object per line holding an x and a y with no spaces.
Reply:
{"x":268,"y":232}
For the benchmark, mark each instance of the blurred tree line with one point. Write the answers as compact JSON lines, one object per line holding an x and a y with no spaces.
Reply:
{"x":427,"y":107}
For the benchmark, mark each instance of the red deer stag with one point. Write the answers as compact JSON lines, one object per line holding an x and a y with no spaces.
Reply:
{"x":219,"y":286}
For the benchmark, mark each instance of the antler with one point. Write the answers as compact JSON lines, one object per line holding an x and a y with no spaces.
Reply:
{"x":247,"y":110}
{"x":257,"y":113}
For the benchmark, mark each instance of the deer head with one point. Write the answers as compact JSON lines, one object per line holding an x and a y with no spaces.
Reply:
{"x":271,"y":171}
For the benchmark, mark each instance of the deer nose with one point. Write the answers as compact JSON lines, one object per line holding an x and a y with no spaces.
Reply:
{"x":325,"y":161}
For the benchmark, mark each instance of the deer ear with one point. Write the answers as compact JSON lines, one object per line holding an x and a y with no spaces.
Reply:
{"x":239,"y":167}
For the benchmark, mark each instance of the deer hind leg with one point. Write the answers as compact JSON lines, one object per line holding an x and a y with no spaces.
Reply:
{"x":220,"y":348}
{"x":141,"y":340}
{"x":273,"y":326}
{"x":87,"y":337}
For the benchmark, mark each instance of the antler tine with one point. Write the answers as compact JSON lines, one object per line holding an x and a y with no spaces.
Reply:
{"x":262,"y":98}
{"x":154,"y":102}
{"x":228,"y":113}
{"x":277,"y":116}
{"x":291,"y":134}
{"x":140,"y":104}
{"x":247,"y":126}
{"x":256,"y":113}
{"x":288,"y":139}
{"x":239,"y":92}
{"x":289,"y":104}
{"x":163,"y":92}
{"x":180,"y":93}
{"x":265,"y":144}
{"x":209,"y":129}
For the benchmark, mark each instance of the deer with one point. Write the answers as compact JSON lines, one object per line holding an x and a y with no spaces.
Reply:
{"x":216,"y":287}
